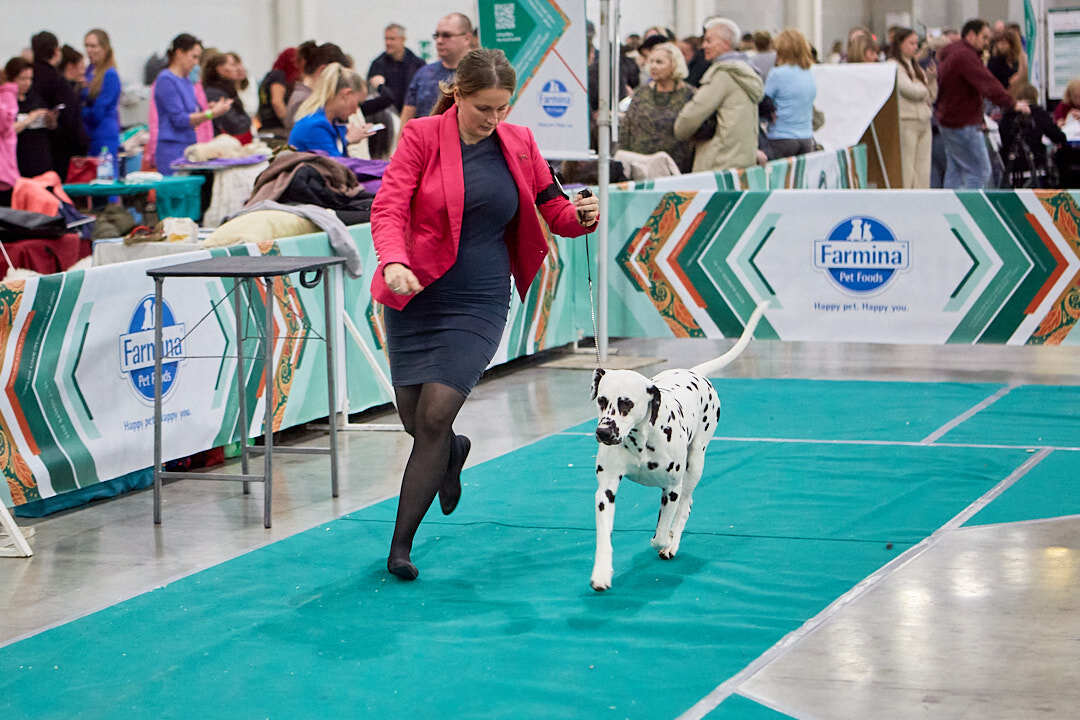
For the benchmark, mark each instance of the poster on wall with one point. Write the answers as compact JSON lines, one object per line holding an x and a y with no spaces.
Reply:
{"x":1063,"y":51}
{"x":545,"y":42}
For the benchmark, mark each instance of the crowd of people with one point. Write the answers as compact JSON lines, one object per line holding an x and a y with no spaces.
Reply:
{"x":723,"y":100}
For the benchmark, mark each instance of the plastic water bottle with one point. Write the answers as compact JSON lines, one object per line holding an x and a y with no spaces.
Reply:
{"x":106,"y":169}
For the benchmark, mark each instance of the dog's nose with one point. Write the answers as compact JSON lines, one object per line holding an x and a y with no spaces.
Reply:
{"x":606,"y":432}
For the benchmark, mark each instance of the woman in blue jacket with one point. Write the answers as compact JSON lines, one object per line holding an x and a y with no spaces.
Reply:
{"x":322,"y":119}
{"x":101,"y":94}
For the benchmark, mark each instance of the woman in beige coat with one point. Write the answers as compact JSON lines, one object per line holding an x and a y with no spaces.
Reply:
{"x":917,"y":93}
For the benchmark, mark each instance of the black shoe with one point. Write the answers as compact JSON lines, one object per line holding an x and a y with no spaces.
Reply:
{"x":450,"y":492}
{"x":402,"y":568}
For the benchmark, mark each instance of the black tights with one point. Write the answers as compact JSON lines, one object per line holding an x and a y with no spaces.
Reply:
{"x":427,"y":411}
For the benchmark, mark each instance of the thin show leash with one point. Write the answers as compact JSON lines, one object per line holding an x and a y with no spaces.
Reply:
{"x":592,"y":302}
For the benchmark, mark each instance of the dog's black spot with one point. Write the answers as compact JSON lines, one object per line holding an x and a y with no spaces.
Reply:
{"x":602,"y":402}
{"x":600,"y":507}
{"x":649,"y":447}
{"x":599,"y":468}
{"x":670,"y":465}
{"x":678,"y":468}
{"x":653,"y":465}
{"x":717,"y":414}
{"x":667,"y":431}
{"x":663,"y":500}
{"x":654,"y":403}
{"x":625,"y":405}
{"x":671,"y":416}
{"x":673,"y":496}
{"x":632,"y":439}
{"x":704,"y":418}
{"x":610,"y":496}
{"x":706,"y":427}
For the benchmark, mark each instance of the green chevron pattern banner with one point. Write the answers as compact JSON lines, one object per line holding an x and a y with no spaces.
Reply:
{"x":886,"y":266}
{"x":928,"y":267}
{"x":825,"y":170}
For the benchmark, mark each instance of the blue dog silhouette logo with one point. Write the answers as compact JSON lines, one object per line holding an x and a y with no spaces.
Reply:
{"x":555,"y":99}
{"x":137,"y":349}
{"x":861,"y":255}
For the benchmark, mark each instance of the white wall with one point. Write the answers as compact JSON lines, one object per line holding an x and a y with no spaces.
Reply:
{"x":138,"y":28}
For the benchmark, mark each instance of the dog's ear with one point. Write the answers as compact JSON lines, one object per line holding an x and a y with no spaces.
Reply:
{"x":597,"y":374}
{"x":654,"y":404}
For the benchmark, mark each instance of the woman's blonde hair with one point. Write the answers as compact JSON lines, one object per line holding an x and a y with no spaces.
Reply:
{"x":333,"y":79}
{"x":480,"y":69}
{"x":102,"y":38}
{"x":793,"y":49}
{"x":681,"y":71}
{"x":1072,"y":92}
{"x":858,"y":48}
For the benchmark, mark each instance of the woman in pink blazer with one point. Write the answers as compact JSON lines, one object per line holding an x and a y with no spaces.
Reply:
{"x":453,"y":221}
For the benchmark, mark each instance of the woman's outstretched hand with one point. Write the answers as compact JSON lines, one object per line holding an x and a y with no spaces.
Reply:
{"x":401,"y":280}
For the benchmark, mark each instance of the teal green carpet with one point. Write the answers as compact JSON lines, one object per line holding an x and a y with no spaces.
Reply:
{"x":502,"y":622}
{"x":1028,"y":415}
{"x":1051,"y":489}
{"x":839,"y":409}
{"x":738,"y":707}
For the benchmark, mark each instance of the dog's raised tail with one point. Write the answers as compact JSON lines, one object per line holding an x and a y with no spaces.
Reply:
{"x":711,"y":366}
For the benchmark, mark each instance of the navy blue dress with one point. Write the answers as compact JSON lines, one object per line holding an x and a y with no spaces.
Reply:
{"x":450,"y":331}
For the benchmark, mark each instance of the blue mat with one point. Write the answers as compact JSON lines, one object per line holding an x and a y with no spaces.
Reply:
{"x":1033,"y":415}
{"x":502,"y":622}
{"x":1051,"y":489}
{"x":838,"y":409}
{"x":738,"y":707}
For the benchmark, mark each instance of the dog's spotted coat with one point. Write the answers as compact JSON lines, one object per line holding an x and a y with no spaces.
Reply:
{"x":655,"y":433}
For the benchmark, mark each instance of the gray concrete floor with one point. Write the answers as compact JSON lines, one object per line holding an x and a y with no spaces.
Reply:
{"x":980,"y":622}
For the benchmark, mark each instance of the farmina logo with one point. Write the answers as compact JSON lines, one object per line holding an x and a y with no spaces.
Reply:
{"x":861,"y":255}
{"x":137,"y":349}
{"x":554,"y":98}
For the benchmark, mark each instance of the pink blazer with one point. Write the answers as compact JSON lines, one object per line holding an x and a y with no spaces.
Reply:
{"x":416,"y":215}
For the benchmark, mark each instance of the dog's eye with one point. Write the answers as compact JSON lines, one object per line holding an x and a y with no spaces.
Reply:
{"x":625,"y":405}
{"x":602,"y":402}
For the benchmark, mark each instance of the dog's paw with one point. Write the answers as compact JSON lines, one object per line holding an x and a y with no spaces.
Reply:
{"x":668,"y":552}
{"x":600,"y":580}
{"x":660,"y":542}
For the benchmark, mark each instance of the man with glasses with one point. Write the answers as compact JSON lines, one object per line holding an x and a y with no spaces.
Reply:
{"x":396,"y":66}
{"x":453,"y":36}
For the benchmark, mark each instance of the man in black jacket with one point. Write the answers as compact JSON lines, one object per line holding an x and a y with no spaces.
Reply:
{"x":69,"y":137}
{"x":397,"y":65}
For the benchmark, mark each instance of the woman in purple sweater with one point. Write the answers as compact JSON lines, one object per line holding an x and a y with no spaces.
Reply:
{"x":177,"y":109}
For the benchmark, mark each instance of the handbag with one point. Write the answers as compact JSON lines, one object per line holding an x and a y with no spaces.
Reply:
{"x":82,"y":169}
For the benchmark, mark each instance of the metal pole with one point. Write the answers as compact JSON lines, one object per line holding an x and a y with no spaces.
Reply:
{"x":157,"y":399}
{"x":331,"y":369}
{"x":268,"y":418}
{"x":241,"y":380}
{"x":603,"y":172}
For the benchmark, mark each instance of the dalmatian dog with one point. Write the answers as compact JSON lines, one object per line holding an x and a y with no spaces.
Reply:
{"x":654,"y":431}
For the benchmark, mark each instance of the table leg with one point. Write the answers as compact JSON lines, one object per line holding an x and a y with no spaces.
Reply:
{"x":268,"y":419}
{"x":331,"y":385}
{"x":157,"y":398}
{"x":241,"y":385}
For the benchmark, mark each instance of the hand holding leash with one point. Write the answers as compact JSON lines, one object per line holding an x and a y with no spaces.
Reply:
{"x":587,"y":206}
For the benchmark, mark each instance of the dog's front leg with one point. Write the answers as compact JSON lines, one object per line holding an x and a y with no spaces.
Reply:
{"x":607,"y":483}
{"x":669,"y":506}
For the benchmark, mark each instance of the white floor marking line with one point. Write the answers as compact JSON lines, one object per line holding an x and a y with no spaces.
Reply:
{"x":722,"y":691}
{"x":903,"y":443}
{"x":963,"y":417}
